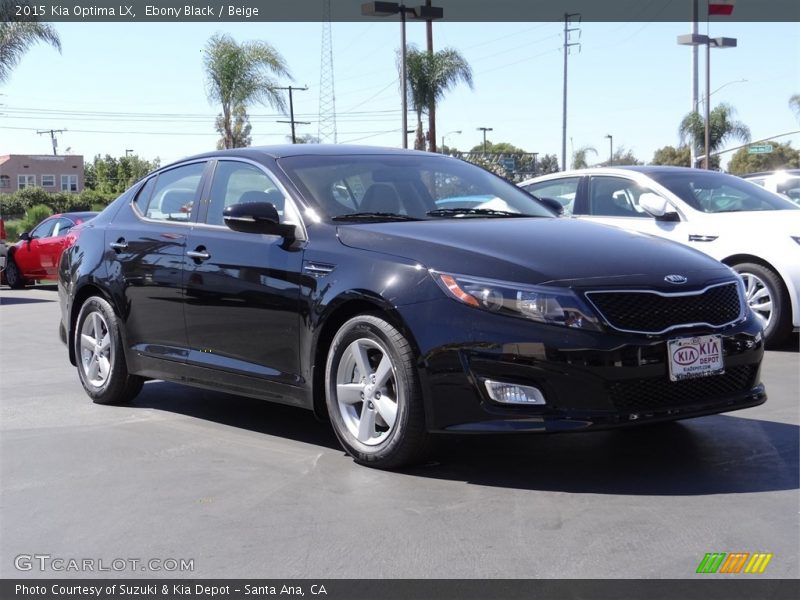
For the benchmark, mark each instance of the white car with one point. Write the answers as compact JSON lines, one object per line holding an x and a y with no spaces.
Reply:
{"x":746,"y":227}
{"x":784,"y":182}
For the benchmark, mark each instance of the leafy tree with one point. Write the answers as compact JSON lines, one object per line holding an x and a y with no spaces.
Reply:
{"x":672,"y":156}
{"x":783,"y":156}
{"x":240,"y":131}
{"x":794,"y":104}
{"x":242,"y":74}
{"x":112,"y":176}
{"x":16,"y":37}
{"x":547,"y":163}
{"x":430,"y":77}
{"x":723,"y":128}
{"x":622,"y":156}
{"x":304,"y":139}
{"x":498,"y":148}
{"x":579,"y":157}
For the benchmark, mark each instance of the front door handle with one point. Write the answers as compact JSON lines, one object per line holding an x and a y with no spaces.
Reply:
{"x":198,"y":254}
{"x":120,"y":244}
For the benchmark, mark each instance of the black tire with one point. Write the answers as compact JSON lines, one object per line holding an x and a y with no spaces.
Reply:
{"x":404,"y":442}
{"x":117,"y":386}
{"x":14,"y":278}
{"x":779,"y":326}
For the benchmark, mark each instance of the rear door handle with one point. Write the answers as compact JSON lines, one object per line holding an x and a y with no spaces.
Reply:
{"x":120,"y":244}
{"x":198,"y":254}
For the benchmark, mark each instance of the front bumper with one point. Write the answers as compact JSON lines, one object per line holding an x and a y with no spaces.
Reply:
{"x":590,"y":380}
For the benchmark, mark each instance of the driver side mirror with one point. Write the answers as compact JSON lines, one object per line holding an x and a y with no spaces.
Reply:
{"x":256,"y":217}
{"x":655,"y":205}
{"x":25,"y":236}
{"x":552,"y":204}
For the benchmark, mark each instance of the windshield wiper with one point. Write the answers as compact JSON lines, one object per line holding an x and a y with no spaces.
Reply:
{"x":482,"y":212}
{"x":374,"y":216}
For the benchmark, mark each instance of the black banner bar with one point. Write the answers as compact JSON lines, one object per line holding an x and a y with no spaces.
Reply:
{"x":729,"y":588}
{"x":351,"y":10}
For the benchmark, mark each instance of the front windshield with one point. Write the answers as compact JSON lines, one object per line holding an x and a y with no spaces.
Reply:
{"x":712,"y":192}
{"x":406,"y":187}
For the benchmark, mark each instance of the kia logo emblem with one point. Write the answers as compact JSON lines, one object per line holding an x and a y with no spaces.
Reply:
{"x":676,"y":279}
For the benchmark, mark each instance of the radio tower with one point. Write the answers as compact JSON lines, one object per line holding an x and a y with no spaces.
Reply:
{"x":327,"y":97}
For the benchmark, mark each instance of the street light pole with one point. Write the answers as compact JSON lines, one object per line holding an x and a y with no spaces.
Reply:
{"x":610,"y":149}
{"x":693,"y":39}
{"x":403,"y":79}
{"x":445,"y":135}
{"x":484,"y":129}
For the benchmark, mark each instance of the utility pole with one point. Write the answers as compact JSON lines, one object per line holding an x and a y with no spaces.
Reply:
{"x":535,"y":154}
{"x":484,"y":130}
{"x":567,"y":45}
{"x":52,"y":133}
{"x":291,"y":109}
{"x":695,"y":82}
{"x":432,"y":107}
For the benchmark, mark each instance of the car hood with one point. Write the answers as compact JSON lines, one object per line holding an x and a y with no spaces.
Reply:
{"x":759,"y":222}
{"x":555,"y":251}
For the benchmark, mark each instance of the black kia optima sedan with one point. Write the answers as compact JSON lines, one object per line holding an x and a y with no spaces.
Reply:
{"x":398,"y":294}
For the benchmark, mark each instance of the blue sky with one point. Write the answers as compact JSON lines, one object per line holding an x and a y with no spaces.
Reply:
{"x":630,"y":80}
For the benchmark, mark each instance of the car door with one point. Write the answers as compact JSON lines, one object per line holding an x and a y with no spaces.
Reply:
{"x":614,"y":200}
{"x":28,"y":254}
{"x":52,"y":246}
{"x":147,"y":245}
{"x":242,"y":289}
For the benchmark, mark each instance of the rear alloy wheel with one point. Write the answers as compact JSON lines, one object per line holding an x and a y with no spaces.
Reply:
{"x":101,"y":360}
{"x":373,"y":394}
{"x":767,"y":297}
{"x":13,"y":275}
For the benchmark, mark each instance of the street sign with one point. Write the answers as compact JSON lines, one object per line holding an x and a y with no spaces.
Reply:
{"x":509,"y":163}
{"x":760,"y":149}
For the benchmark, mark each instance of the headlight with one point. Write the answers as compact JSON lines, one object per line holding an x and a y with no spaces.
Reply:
{"x":554,"y":306}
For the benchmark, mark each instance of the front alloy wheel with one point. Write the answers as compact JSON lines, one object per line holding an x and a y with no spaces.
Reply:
{"x":373,"y":394}
{"x":768,"y":299}
{"x":13,"y":275}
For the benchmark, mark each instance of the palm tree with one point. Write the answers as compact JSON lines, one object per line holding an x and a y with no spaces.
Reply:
{"x":723,"y":128}
{"x":430,"y":77}
{"x":580,"y":155}
{"x":794,"y":104}
{"x":16,"y":37}
{"x":242,"y":74}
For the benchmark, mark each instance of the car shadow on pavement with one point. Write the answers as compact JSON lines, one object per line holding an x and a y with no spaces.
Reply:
{"x":719,"y":454}
{"x":237,"y":411}
{"x":5,"y":301}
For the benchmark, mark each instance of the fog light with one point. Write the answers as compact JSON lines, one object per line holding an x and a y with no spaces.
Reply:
{"x":511,"y":393}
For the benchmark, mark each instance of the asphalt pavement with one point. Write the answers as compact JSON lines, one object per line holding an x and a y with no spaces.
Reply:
{"x":244,"y":488}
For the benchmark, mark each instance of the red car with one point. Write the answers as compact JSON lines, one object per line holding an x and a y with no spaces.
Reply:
{"x":36,"y":254}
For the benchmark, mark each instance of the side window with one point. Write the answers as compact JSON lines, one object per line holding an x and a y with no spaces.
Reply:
{"x":174,"y":193}
{"x":62,"y":227}
{"x":43,"y":229}
{"x":564,"y":190}
{"x":240,"y":183}
{"x":143,"y":197}
{"x":615,"y":197}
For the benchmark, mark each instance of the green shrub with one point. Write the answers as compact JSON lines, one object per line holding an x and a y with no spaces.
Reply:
{"x":37,"y":214}
{"x":13,"y":229}
{"x":13,"y":205}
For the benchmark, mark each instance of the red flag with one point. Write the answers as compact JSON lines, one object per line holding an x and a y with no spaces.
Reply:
{"x":720,"y":7}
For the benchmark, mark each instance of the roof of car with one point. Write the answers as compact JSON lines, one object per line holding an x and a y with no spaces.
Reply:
{"x":775,"y":172}
{"x":284,"y":150}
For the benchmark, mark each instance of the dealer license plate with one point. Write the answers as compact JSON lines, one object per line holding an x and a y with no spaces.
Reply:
{"x":695,"y":357}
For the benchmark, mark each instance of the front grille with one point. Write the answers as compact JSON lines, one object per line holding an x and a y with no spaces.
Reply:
{"x":653,"y":394}
{"x":651,"y":312}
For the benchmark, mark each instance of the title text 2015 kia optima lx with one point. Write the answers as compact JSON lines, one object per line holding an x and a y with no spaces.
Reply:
{"x":398,"y":294}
